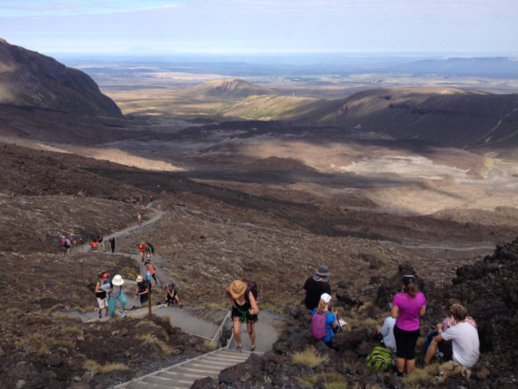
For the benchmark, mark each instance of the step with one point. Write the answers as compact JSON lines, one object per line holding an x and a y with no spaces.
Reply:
{"x":179,"y":374}
{"x":156,"y":380}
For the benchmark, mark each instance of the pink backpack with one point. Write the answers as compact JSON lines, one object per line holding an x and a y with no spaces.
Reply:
{"x":318,"y":325}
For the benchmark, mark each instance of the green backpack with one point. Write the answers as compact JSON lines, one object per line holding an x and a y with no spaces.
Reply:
{"x":380,"y":358}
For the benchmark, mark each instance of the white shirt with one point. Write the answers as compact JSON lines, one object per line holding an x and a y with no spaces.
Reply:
{"x":465,"y":343}
{"x":387,"y":331}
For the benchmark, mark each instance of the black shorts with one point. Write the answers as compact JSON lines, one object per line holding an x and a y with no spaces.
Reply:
{"x":248,"y":317}
{"x":405,"y":342}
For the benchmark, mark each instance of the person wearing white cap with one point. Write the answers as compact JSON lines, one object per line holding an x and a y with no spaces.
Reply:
{"x":323,"y":322}
{"x":142,"y":289}
{"x":116,"y":294}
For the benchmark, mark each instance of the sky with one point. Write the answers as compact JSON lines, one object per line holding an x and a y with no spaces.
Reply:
{"x":459,"y":27}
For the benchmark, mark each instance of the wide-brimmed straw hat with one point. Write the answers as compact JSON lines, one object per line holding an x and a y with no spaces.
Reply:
{"x":322,"y":274}
{"x":139,"y":279}
{"x":117,"y":280}
{"x":236,"y":289}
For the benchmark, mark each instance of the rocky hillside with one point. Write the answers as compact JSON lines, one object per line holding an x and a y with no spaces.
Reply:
{"x":30,"y":79}
{"x":488,"y":288}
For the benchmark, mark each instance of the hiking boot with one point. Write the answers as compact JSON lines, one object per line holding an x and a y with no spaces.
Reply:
{"x":100,"y":314}
{"x":252,"y":347}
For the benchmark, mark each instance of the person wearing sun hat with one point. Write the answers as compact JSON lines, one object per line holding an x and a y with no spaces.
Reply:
{"x":244,"y":308}
{"x":142,"y":289}
{"x":116,"y":294}
{"x":315,"y":286}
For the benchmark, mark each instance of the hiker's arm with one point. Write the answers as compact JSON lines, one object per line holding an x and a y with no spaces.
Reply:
{"x":394,"y":311}
{"x":438,"y":338}
{"x":255,"y":309}
{"x":422,"y":311}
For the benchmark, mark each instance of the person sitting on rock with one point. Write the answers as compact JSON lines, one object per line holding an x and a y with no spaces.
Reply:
{"x":315,"y":286}
{"x":324,"y":323}
{"x":171,"y":295}
{"x":386,"y":333}
{"x":465,"y":344}
{"x":442,"y":349}
{"x":244,"y":308}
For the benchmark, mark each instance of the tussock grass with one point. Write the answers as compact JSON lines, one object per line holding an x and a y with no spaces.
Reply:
{"x":222,"y":305}
{"x":331,"y":380}
{"x":93,"y":366}
{"x":210,"y":345}
{"x":271,"y":308}
{"x":432,"y":369}
{"x":309,"y":357}
{"x":152,"y":340}
{"x":417,"y":377}
{"x":354,"y":322}
{"x":73,"y":331}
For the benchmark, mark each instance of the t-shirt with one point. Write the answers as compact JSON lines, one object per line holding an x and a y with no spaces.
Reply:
{"x":330,"y":319}
{"x":409,"y":307}
{"x":315,"y":289}
{"x":387,"y":331}
{"x":116,"y":292}
{"x":465,"y":343}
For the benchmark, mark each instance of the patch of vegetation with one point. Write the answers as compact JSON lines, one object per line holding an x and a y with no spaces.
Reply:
{"x":93,"y":366}
{"x":331,"y":380}
{"x":417,"y":377}
{"x":152,"y":340}
{"x":309,"y":357}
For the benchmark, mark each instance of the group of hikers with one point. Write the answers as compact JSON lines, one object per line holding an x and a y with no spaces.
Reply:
{"x":455,"y":340}
{"x":108,"y":291}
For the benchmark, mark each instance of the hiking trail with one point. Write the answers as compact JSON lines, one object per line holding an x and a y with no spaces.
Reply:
{"x":183,"y":374}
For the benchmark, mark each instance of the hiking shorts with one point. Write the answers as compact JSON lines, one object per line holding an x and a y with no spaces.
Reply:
{"x":102,"y":303}
{"x":248,"y":317}
{"x":405,"y":342}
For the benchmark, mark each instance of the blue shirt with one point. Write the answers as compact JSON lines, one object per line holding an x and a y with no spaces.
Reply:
{"x":330,"y":319}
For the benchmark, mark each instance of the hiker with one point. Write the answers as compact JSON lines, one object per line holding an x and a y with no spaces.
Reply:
{"x":407,"y":307}
{"x":149,"y":248}
{"x":324,"y":324}
{"x":139,"y":218}
{"x":315,"y":286}
{"x":112,"y":244}
{"x":94,"y":245}
{"x":386,"y":332}
{"x":244,"y":308}
{"x":465,"y":344}
{"x":142,"y":289}
{"x":151,"y":269}
{"x":116,"y":294}
{"x":442,"y":349}
{"x":100,"y":294}
{"x":142,"y":250}
{"x":171,"y":295}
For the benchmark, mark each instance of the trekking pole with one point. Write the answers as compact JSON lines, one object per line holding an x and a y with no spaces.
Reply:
{"x":82,"y":273}
{"x":150,"y":317}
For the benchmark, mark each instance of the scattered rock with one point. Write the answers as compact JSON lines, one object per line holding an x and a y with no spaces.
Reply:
{"x":204,"y":383}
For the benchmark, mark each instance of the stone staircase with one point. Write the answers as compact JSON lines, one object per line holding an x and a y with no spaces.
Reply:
{"x":185,"y":373}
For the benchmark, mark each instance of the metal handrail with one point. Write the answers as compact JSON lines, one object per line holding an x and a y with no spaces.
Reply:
{"x":220,"y":328}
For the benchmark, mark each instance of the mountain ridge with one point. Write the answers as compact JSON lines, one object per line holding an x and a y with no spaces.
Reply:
{"x":28,"y":78}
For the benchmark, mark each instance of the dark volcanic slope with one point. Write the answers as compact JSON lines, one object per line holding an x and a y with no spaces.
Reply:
{"x":444,"y":117}
{"x":30,"y":79}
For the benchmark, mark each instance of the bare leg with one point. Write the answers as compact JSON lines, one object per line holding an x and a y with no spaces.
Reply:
{"x":237,"y":332}
{"x":430,"y":353}
{"x":400,"y":365}
{"x":251,"y":334}
{"x":410,"y":365}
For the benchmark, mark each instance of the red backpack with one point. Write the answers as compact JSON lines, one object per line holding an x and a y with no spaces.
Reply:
{"x":318,"y":325}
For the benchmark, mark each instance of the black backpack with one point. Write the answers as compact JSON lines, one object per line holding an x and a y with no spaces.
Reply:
{"x":251,"y":287}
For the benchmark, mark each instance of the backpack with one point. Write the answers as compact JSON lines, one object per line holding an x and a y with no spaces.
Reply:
{"x":251,"y":287}
{"x":380,"y":358}
{"x":318,"y":325}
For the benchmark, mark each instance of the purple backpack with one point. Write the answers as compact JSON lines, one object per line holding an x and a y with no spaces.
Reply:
{"x":318,"y":325}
